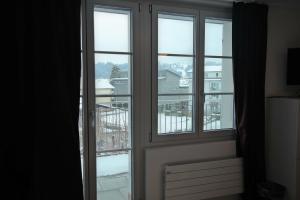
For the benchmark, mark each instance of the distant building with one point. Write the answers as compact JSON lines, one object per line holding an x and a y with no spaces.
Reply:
{"x":213,"y":84}
{"x":171,"y":82}
{"x":213,"y":78}
{"x":103,"y":87}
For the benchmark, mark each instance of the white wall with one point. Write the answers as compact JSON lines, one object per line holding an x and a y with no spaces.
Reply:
{"x":282,"y":142}
{"x":283,"y":32}
{"x":157,"y":158}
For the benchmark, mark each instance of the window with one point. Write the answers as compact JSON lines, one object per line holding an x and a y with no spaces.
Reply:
{"x":108,"y":64}
{"x":165,"y":72}
{"x":113,"y":102}
{"x":218,"y":80}
{"x":182,"y":74}
{"x":174,"y":57}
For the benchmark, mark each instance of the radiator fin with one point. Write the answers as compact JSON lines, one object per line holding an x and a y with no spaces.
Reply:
{"x":203,"y":180}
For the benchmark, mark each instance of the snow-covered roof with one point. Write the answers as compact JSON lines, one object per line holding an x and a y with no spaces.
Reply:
{"x":125,"y":78}
{"x":103,"y":84}
{"x":164,"y":72}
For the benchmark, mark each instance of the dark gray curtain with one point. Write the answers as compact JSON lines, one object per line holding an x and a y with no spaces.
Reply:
{"x":46,"y":145}
{"x":249,"y":26}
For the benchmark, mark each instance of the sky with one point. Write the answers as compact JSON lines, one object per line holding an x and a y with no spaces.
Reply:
{"x":112,"y":33}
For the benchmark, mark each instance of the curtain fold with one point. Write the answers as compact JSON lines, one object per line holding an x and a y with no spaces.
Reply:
{"x":48,"y":165}
{"x":249,"y":26}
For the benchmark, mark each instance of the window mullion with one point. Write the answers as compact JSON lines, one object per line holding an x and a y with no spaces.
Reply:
{"x":200,"y":73}
{"x":90,"y":101}
{"x":113,"y":52}
{"x":154,"y":71}
{"x":221,"y":57}
{"x":177,"y":55}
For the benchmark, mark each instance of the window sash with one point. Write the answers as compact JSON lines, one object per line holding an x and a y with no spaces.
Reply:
{"x":158,"y":9}
{"x":224,"y":16}
{"x":89,"y":96}
{"x":89,"y":83}
{"x":199,"y":34}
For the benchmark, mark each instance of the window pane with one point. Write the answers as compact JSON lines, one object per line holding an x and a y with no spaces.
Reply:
{"x":112,"y":30}
{"x":114,"y":176}
{"x":175,"y":34}
{"x":174,"y":114}
{"x":112,"y":74}
{"x":175,"y":75}
{"x":218,"y":37}
{"x":218,"y":112}
{"x":218,"y":75}
{"x":113,"y":129}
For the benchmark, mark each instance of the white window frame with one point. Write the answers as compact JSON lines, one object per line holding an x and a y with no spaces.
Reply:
{"x":198,"y":134}
{"x":156,"y":9}
{"x":144,"y":78}
{"x":219,"y":15}
{"x":89,"y":136}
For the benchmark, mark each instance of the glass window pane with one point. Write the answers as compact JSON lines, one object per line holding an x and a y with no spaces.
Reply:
{"x":175,"y":34}
{"x":114,"y":175}
{"x":175,"y":75}
{"x":174,"y":114}
{"x":112,"y":30}
{"x":218,"y":112}
{"x":218,"y":37}
{"x":112,"y":74}
{"x":113,"y":129}
{"x":218,"y":75}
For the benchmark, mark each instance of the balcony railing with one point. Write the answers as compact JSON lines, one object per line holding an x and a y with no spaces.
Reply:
{"x":212,"y":115}
{"x":112,"y":126}
{"x":112,"y":120}
{"x":174,"y":116}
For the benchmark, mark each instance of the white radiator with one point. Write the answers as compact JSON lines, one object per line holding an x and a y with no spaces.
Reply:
{"x":203,"y":180}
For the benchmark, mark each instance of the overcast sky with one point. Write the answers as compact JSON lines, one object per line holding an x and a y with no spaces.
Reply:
{"x":112,"y":33}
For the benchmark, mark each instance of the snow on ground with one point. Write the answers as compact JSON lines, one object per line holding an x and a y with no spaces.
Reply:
{"x":112,"y":165}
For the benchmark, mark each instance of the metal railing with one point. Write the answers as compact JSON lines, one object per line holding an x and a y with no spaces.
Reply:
{"x":112,"y":126}
{"x":174,"y":116}
{"x":212,"y":116}
{"x":112,"y":121}
{"x":177,"y":117}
